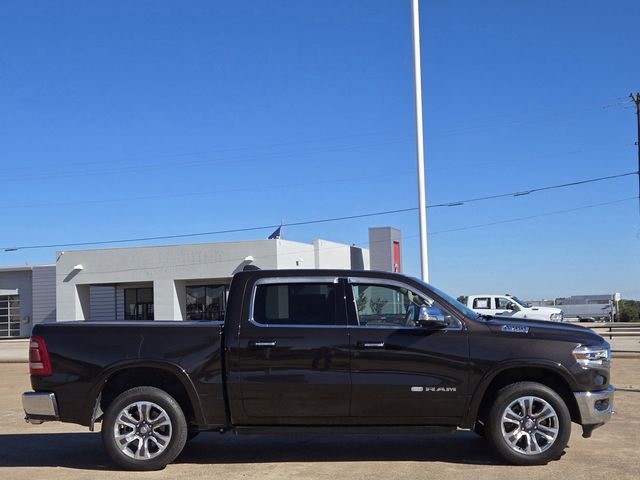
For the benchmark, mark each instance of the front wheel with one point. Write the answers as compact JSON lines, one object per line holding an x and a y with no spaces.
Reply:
{"x":528,"y":424}
{"x":144,"y":429}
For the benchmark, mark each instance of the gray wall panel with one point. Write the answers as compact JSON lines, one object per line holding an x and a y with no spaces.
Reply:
{"x":103,"y":303}
{"x":44,"y":294}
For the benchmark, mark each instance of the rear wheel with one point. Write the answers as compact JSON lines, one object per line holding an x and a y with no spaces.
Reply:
{"x":528,"y":424}
{"x":144,"y":429}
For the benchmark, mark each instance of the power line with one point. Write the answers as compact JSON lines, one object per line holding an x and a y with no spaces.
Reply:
{"x":530,"y":217}
{"x":211,"y":151}
{"x":215,"y":232}
{"x":320,"y":148}
{"x":287,"y":185}
{"x":251,"y":188}
{"x":253,"y":157}
{"x":531,"y":190}
{"x":369,"y":244}
{"x":316,"y":221}
{"x":217,"y":192}
{"x":531,"y":119}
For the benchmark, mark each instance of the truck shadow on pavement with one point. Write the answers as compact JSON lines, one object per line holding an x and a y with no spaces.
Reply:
{"x":84,"y":450}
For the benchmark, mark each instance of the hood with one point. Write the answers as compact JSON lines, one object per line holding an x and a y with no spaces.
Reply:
{"x":542,"y":329}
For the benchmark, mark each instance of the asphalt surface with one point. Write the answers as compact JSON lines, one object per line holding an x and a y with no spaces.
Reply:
{"x":56,"y":450}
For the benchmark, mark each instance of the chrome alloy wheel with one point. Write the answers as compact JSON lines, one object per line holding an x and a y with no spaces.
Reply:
{"x":142,"y":430}
{"x":529,"y":425}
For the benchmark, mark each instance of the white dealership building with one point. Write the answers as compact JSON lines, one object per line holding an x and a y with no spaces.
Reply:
{"x":172,"y":282}
{"x":189,"y":282}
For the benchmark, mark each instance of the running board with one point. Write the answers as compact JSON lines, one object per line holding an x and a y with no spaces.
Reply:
{"x":342,"y":430}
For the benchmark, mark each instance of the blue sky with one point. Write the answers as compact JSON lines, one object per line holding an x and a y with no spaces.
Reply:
{"x":141,"y":118}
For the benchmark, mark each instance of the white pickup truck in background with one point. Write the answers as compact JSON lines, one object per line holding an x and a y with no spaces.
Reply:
{"x":510,"y":306}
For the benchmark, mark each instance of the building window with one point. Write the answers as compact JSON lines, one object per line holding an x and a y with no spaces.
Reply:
{"x":9,"y":316}
{"x":206,"y":302}
{"x":138,"y":303}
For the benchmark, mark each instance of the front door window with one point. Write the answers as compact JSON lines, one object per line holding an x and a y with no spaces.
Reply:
{"x":392,"y":306}
{"x":503,"y":303}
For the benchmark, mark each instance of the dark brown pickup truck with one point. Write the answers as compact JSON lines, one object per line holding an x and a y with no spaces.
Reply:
{"x":329,"y":351}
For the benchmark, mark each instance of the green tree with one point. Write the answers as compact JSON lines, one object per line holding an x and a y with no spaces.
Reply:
{"x":629,"y":311}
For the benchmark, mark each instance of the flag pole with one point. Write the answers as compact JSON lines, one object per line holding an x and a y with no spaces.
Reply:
{"x":422,"y":209}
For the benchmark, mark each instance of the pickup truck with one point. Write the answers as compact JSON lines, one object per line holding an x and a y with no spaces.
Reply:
{"x":322,"y":351}
{"x":510,"y":306}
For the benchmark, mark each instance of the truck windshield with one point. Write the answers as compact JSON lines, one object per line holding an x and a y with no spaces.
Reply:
{"x":452,"y":301}
{"x":517,"y":300}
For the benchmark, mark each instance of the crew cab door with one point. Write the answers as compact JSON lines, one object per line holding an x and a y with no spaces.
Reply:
{"x":293,"y":353}
{"x":402,"y":372}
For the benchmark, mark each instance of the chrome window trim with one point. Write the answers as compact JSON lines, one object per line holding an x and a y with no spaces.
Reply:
{"x":284,"y":281}
{"x":278,"y":280}
{"x":395,"y":283}
{"x":400,"y":327}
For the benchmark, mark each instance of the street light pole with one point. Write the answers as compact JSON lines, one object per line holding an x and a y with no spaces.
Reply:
{"x":422,"y":206}
{"x":636,"y":100}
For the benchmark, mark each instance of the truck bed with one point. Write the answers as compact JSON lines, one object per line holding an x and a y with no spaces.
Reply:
{"x":84,"y":355}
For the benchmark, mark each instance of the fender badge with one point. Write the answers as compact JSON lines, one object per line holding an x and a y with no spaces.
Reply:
{"x":515,"y":328}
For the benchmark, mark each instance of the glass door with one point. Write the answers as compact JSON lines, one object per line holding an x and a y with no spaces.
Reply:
{"x":9,"y":316}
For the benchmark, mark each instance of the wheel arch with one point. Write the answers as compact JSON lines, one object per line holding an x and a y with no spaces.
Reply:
{"x":125,"y":375}
{"x":552,"y":375}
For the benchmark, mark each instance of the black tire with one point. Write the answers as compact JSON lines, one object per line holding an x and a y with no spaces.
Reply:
{"x":129,"y":452}
{"x":524,"y":438}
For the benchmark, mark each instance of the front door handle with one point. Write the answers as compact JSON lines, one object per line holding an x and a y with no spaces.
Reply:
{"x":263,"y":343}
{"x":370,"y":344}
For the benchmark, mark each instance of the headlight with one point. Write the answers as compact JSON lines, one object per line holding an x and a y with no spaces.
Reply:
{"x":556,"y":317}
{"x":592,"y":356}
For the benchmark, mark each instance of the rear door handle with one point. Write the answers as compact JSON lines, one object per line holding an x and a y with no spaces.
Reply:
{"x":370,"y":344}
{"x":263,"y":343}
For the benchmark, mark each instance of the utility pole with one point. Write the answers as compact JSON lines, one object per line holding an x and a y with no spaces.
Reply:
{"x":422,"y":204}
{"x":636,"y":99}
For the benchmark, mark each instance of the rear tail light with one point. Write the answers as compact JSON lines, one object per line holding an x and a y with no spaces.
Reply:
{"x":39,"y":363}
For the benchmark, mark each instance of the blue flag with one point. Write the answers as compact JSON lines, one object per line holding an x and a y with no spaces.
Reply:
{"x":276,"y":234}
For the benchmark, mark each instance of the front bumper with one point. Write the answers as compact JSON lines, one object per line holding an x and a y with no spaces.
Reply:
{"x":40,"y":407}
{"x":595,"y":408}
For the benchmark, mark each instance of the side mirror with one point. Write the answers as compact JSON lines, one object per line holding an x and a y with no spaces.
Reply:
{"x":431,"y":317}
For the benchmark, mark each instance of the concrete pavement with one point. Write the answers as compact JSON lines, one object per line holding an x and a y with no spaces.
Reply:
{"x":14,"y":351}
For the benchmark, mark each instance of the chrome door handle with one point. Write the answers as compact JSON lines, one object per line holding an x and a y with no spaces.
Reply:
{"x":371,"y":344}
{"x":263,"y":344}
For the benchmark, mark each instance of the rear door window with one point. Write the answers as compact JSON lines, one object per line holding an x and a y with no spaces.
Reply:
{"x":295,"y":304}
{"x":481,"y":303}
